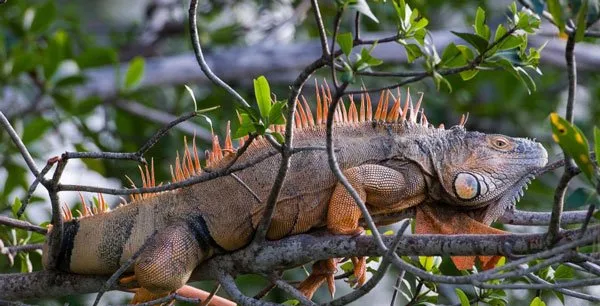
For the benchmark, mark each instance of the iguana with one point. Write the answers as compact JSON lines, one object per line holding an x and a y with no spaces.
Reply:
{"x":458,"y":181}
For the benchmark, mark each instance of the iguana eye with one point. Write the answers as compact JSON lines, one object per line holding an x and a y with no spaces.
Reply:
{"x":500,"y":143}
{"x":466,"y":186}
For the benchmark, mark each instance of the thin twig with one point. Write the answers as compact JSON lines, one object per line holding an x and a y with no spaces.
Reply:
{"x":20,"y":248}
{"x":568,"y":292}
{"x":19,"y":143}
{"x":206,"y":176}
{"x":336,"y":27}
{"x":234,"y":292}
{"x":22,"y":225}
{"x":264,"y":292}
{"x":160,"y":133}
{"x":211,"y":295}
{"x":200,"y":57}
{"x":34,"y":185}
{"x":399,"y":279}
{"x":287,"y":149}
{"x":162,"y":118}
{"x":321,"y":28}
{"x":283,"y":285}
{"x":569,"y":173}
{"x":449,"y":71}
{"x":357,"y":27}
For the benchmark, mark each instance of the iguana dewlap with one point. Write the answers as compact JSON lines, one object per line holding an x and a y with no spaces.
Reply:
{"x":393,"y":158}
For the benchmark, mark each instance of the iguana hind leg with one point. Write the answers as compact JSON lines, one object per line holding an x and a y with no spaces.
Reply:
{"x":436,"y":219}
{"x":384,"y":190}
{"x":167,"y":262}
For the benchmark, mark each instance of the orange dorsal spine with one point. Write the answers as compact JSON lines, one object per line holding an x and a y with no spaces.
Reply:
{"x":189,"y":165}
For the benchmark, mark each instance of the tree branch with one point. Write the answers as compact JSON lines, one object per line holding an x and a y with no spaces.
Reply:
{"x":294,"y":251}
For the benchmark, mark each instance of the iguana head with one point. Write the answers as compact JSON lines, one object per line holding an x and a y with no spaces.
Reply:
{"x":485,"y":170}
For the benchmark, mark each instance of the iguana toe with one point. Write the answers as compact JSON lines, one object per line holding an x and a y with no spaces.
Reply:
{"x":360,"y":270}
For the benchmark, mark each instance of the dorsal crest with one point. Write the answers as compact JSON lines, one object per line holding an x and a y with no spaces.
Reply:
{"x":390,"y":109}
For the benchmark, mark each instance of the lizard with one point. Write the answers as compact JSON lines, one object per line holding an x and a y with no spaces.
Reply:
{"x":458,"y":181}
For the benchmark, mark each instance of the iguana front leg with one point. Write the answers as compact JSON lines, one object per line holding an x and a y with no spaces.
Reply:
{"x":437,"y":219}
{"x":384,"y":190}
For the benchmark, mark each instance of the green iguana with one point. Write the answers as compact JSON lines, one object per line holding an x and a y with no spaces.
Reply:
{"x":393,"y":158}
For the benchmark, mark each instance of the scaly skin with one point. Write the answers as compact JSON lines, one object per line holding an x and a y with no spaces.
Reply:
{"x":392,"y":166}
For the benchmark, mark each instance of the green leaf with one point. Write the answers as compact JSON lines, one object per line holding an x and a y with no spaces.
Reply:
{"x":452,"y":57}
{"x":246,"y":126}
{"x":134,"y":73}
{"x":597,"y":144}
{"x":26,"y":266}
{"x":35,"y":129}
{"x":16,"y":205}
{"x":276,"y":113}
{"x":559,"y":296}
{"x":475,"y":40}
{"x":512,"y":41}
{"x":70,"y":81}
{"x":413,"y":51}
{"x":439,"y":79}
{"x":480,"y":27}
{"x":347,"y":76}
{"x":345,"y":42}
{"x":23,"y":62}
{"x":581,"y":21}
{"x":564,"y":272}
{"x":573,"y":143}
{"x":466,"y":52}
{"x":469,"y":74}
{"x":464,"y":300}
{"x":262,"y":93}
{"x":537,"y":301}
{"x":597,"y":215}
{"x":44,"y":16}
{"x":191,"y":92}
{"x":555,"y":10}
{"x":427,"y":262}
{"x":93,"y":57}
{"x":291,"y":303}
{"x":400,"y":7}
{"x":278,"y":137}
{"x":500,"y":31}
{"x":56,"y":51}
{"x":362,"y":7}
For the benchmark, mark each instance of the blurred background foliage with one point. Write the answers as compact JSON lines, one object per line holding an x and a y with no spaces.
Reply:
{"x":47,"y":49}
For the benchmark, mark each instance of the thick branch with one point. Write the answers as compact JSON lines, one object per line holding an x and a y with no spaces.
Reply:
{"x":293,"y":251}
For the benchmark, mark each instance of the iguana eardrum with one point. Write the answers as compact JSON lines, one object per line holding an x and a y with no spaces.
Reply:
{"x":458,"y":181}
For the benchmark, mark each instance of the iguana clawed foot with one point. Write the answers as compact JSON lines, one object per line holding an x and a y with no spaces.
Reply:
{"x":324,"y":270}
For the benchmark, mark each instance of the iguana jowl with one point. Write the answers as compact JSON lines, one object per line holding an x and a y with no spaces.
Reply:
{"x":459,"y":182}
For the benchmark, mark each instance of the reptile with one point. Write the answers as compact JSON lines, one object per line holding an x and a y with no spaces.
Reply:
{"x":458,"y":181}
